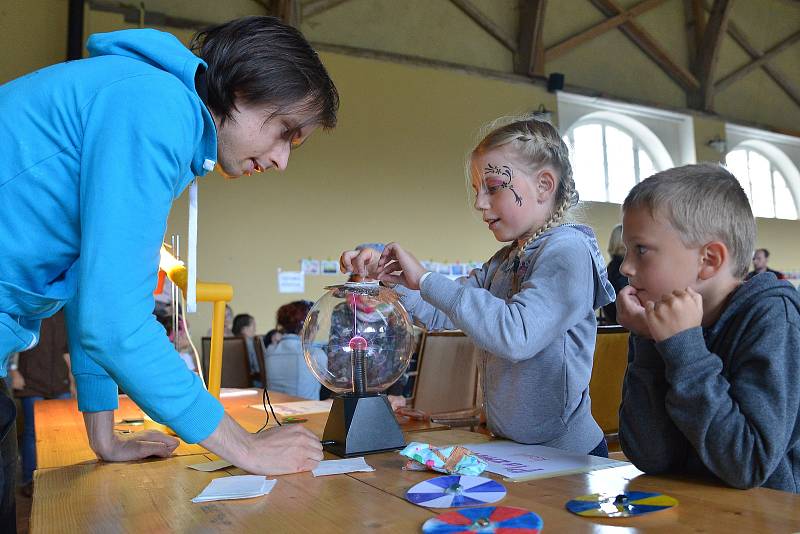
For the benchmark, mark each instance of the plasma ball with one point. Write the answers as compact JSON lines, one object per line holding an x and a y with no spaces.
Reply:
{"x":358,"y":343}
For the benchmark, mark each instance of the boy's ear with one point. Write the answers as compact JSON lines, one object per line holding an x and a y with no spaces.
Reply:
{"x":546,"y":184}
{"x":713,"y":256}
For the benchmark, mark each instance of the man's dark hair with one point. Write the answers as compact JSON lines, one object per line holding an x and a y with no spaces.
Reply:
{"x":765,"y":251}
{"x":261,"y":60}
{"x":240,"y":322}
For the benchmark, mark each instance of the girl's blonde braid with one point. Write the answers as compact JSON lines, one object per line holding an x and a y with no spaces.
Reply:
{"x":569,"y":199}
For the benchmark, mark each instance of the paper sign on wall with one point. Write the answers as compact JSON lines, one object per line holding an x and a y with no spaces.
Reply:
{"x":291,"y":282}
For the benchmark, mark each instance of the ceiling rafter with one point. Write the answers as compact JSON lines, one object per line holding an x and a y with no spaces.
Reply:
{"x":530,"y":57}
{"x":647,"y":44}
{"x":288,"y":11}
{"x":479,"y":18}
{"x":782,"y":81}
{"x":315,"y":7}
{"x":707,"y":55}
{"x":562,"y":47}
{"x":758,"y":62}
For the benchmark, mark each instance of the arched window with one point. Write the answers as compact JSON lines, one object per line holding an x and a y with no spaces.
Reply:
{"x":763,"y":179}
{"x":611,"y":153}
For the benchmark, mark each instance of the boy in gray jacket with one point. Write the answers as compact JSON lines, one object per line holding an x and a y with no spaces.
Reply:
{"x":711,"y":385}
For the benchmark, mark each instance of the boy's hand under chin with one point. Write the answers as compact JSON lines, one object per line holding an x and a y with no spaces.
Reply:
{"x":679,"y":311}
{"x":631,"y":313}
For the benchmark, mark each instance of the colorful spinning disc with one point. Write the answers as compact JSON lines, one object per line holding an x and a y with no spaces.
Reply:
{"x":497,"y":519}
{"x":623,"y":505}
{"x":456,"y":490}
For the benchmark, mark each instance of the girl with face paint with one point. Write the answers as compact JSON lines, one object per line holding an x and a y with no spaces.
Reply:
{"x":531,"y":308}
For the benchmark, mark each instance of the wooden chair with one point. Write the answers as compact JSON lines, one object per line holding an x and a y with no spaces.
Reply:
{"x":261,"y":373}
{"x":446,"y":386}
{"x":608,"y":371}
{"x":235,"y":362}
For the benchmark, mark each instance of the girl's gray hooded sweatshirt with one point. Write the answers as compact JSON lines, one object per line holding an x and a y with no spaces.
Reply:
{"x":536,"y":345}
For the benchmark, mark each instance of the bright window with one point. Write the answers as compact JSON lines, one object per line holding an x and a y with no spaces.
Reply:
{"x":764,"y":184}
{"x":607,"y":161}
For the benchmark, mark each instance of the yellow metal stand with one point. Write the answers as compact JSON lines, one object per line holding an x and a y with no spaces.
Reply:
{"x":216,"y":293}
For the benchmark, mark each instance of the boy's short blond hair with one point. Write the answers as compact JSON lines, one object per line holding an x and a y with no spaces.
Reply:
{"x":703,"y":202}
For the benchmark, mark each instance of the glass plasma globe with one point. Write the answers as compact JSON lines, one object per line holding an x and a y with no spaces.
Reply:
{"x":358,"y":338}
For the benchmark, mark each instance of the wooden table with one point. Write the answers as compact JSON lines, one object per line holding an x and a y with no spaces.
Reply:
{"x":154,"y":496}
{"x":61,"y":435}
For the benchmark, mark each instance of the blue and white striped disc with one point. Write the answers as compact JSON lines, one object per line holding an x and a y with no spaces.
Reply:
{"x":455,"y":490}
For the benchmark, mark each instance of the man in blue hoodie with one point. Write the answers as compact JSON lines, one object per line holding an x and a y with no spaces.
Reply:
{"x":94,"y":153}
{"x":711,"y":386}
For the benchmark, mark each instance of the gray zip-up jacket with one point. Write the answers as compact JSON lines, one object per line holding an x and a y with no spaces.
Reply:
{"x":537,"y":345}
{"x":723,"y":400}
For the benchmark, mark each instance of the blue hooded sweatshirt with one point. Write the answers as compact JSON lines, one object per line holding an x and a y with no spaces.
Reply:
{"x":94,"y":153}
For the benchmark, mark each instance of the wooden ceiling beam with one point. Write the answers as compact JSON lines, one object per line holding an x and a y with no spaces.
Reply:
{"x":699,"y":18}
{"x":288,"y":11}
{"x":708,"y":53}
{"x":479,"y":18}
{"x":647,"y":44}
{"x":315,"y":7}
{"x":784,"y":83}
{"x":530,"y":58}
{"x":562,"y":47}
{"x":760,"y":60}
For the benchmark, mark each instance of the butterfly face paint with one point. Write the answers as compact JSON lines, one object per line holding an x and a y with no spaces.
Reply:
{"x":509,"y":216}
{"x":499,"y":177}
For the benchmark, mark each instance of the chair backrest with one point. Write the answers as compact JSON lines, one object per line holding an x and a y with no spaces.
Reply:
{"x":235,"y":363}
{"x":608,"y":371}
{"x":447,"y":373}
{"x":261,"y":373}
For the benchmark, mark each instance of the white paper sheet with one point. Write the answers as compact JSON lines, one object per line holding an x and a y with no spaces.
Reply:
{"x":518,"y":462}
{"x":298,"y":408}
{"x":291,"y":282}
{"x":338,"y":467}
{"x":210,"y":466}
{"x":236,"y":487}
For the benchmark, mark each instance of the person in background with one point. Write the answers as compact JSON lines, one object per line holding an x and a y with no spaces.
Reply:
{"x":244,"y":326}
{"x":760,"y":260}
{"x":272,"y":337}
{"x":42,"y":372}
{"x":285,"y":363}
{"x":228,"y":328}
{"x":616,"y":250}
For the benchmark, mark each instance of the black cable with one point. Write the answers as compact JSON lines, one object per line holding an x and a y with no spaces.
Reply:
{"x":264,"y":401}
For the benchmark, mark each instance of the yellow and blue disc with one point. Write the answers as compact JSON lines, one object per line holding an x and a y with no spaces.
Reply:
{"x":628,"y":504}
{"x":489,"y":519}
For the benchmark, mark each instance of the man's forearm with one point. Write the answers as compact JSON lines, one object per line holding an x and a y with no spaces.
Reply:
{"x":100,"y":429}
{"x":229,"y":440}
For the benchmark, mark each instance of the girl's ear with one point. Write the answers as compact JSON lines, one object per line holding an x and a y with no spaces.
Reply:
{"x":713,"y":257}
{"x":546,"y":183}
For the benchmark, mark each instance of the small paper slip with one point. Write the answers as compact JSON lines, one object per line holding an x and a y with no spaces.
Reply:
{"x":236,"y":487}
{"x":210,"y":466}
{"x":285,"y":409}
{"x":339,"y":467}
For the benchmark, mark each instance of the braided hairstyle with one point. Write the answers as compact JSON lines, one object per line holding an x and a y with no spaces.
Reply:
{"x":538,"y":143}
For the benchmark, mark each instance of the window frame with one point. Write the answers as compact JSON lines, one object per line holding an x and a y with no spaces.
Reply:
{"x":774,"y":166}
{"x":642,"y":139}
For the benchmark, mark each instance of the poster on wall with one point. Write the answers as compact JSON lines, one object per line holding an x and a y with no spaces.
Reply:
{"x":291,"y":282}
{"x":309,"y":266}
{"x":330,"y":267}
